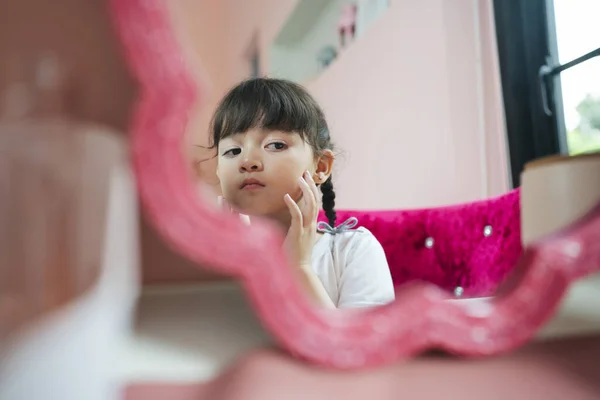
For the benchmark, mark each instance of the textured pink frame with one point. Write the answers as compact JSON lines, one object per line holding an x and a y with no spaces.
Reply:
{"x":420,"y":319}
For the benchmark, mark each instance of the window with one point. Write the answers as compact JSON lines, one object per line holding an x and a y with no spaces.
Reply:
{"x":578,"y":34}
{"x":559,"y":114}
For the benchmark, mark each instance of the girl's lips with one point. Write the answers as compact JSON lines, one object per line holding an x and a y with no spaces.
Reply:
{"x":251,"y":184}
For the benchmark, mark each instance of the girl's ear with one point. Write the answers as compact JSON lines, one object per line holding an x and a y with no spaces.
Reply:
{"x":324,"y":166}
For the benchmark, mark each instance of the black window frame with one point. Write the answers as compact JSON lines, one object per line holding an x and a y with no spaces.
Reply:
{"x":526,"y":39}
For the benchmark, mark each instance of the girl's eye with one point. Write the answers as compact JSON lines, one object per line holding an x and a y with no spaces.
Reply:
{"x":232,"y":152}
{"x":276,"y":146}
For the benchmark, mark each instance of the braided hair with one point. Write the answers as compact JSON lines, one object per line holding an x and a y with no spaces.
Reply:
{"x":329,"y":201}
{"x":278,"y":105}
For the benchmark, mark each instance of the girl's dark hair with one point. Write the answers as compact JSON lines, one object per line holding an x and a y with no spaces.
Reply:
{"x":278,"y":105}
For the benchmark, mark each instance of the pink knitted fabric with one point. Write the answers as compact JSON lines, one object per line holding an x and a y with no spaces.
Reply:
{"x":472,"y":246}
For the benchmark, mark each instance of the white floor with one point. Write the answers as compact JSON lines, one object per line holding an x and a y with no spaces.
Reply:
{"x":192,"y":333}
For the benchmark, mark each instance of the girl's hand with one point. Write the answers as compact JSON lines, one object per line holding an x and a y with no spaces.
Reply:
{"x":301,"y":238}
{"x":302,"y":234}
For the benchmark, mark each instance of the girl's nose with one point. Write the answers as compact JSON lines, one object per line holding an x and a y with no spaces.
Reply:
{"x":251,"y":164}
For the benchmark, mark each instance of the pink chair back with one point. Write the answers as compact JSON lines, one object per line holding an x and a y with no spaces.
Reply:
{"x":467,"y":249}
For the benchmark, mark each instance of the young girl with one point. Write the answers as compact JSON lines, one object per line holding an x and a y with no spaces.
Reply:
{"x":274,"y":152}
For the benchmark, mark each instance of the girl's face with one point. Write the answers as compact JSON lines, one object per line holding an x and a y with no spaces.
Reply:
{"x":258,"y":168}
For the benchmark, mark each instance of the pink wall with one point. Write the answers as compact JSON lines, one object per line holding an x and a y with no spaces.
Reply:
{"x":415,"y":104}
{"x":496,"y":154}
{"x":408,"y":104}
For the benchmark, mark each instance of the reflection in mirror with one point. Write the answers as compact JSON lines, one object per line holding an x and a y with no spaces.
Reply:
{"x":423,"y":194}
{"x":379,"y":219}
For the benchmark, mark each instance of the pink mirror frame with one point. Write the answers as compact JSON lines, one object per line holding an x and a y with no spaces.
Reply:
{"x":420,"y":318}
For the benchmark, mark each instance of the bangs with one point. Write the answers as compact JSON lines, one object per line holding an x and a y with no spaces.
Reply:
{"x":268,"y":104}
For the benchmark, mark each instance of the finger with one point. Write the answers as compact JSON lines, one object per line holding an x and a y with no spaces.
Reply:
{"x":310,"y":202}
{"x":295,"y":213}
{"x":313,"y":203}
{"x":314,"y":189}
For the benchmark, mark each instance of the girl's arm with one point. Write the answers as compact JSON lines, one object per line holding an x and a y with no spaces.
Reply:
{"x":311,"y":283}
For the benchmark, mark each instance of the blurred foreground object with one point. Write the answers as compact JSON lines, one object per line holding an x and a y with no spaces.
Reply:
{"x":68,"y":242}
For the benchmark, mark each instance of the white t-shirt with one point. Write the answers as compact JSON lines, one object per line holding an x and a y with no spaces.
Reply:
{"x":352,"y":266}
